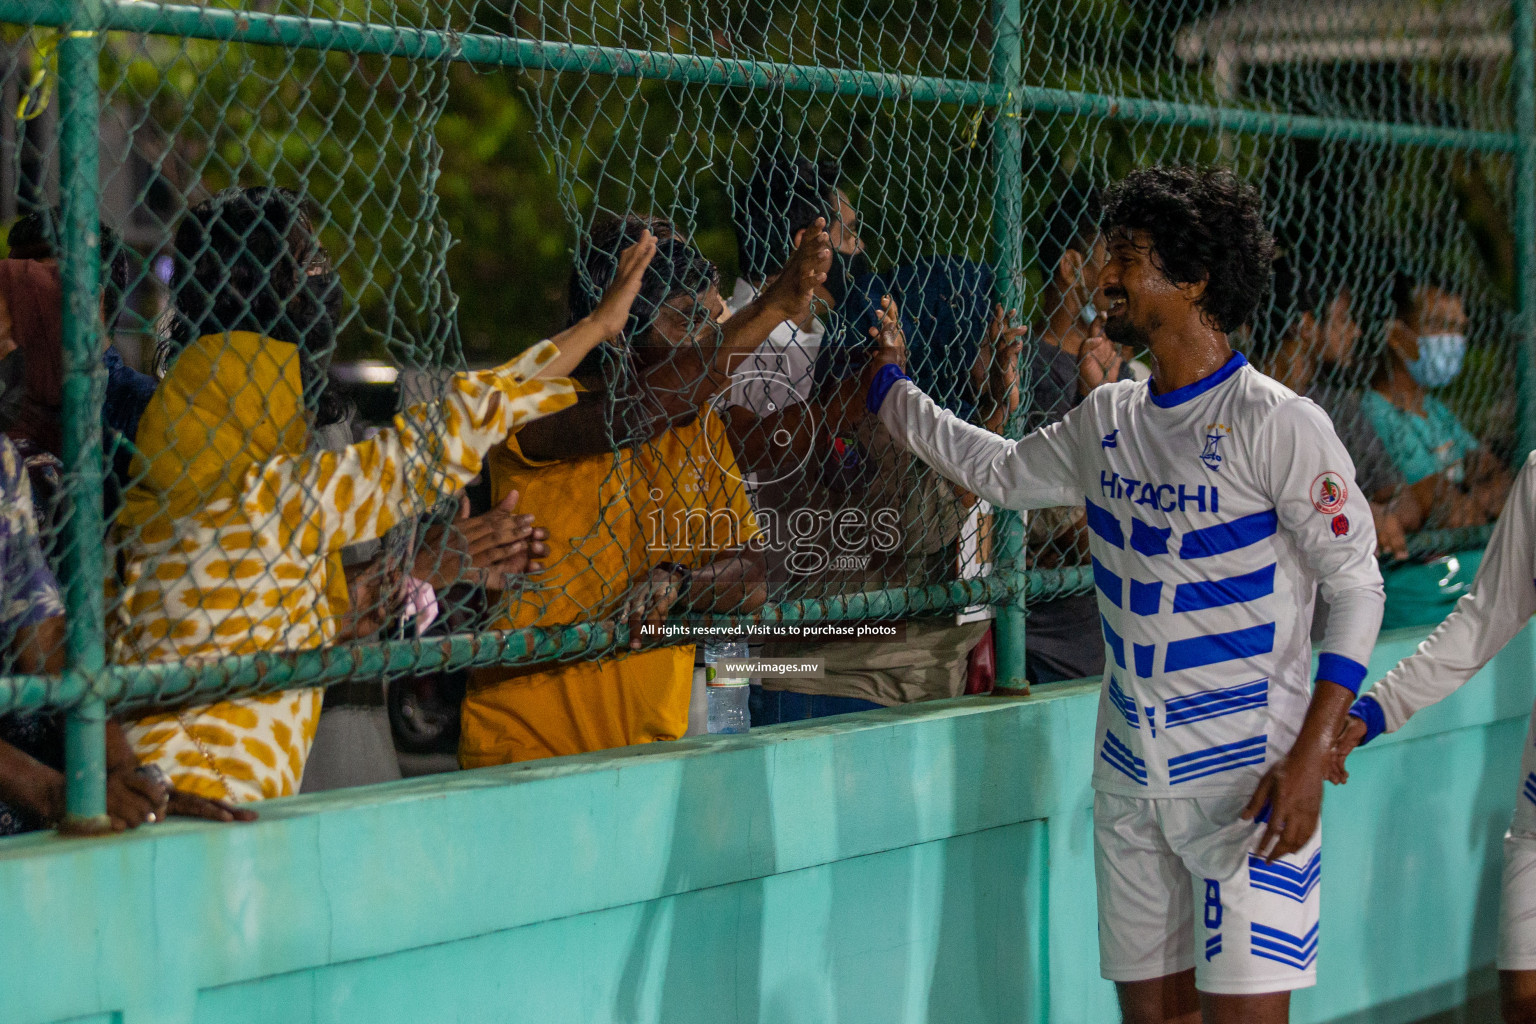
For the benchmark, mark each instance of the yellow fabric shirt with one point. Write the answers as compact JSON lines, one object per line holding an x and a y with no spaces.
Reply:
{"x":230,"y":538}
{"x":611,"y":519}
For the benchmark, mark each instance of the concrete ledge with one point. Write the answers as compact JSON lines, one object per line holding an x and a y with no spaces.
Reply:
{"x":935,"y":858}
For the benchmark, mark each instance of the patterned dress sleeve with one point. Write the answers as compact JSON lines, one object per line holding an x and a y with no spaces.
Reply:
{"x":326,"y":500}
{"x":28,"y":592}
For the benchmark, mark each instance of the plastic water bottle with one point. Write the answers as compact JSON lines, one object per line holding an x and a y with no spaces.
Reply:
{"x":727,"y":694}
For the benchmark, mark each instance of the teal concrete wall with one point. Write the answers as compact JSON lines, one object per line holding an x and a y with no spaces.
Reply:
{"x":927,"y":863}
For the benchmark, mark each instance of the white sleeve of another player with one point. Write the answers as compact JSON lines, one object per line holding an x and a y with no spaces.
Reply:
{"x":1501,"y":601}
{"x":1332,"y":529}
{"x":1035,"y":472}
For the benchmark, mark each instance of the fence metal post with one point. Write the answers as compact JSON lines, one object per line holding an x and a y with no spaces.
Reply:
{"x":1007,"y":261}
{"x":84,"y":555}
{"x":1524,"y":82}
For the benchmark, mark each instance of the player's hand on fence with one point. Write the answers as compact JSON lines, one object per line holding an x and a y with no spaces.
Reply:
{"x":190,"y":805}
{"x":648,"y":601}
{"x":890,"y":340}
{"x":1099,"y":361}
{"x":1292,"y":792}
{"x":889,"y":349}
{"x":1351,"y":732}
{"x":790,"y":294}
{"x":486,"y":550}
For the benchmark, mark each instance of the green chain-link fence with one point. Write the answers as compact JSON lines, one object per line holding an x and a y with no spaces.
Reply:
{"x":456,"y":160}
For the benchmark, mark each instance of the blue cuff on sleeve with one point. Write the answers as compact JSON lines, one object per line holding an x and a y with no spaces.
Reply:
{"x":886,"y":376}
{"x":1368,"y":711}
{"x":1338,"y":669}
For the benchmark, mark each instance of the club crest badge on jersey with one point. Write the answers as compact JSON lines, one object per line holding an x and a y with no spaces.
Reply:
{"x":1329,"y":493}
{"x":1215,"y":433}
{"x":1340,"y":525}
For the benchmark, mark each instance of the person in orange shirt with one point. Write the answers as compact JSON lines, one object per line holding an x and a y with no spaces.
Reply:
{"x":669,"y":527}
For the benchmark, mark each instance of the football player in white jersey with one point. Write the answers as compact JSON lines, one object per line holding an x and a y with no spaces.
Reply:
{"x":1219,"y":503}
{"x":1500,"y":603}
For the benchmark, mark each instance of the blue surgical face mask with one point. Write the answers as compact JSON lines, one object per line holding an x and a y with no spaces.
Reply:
{"x":1440,"y":358}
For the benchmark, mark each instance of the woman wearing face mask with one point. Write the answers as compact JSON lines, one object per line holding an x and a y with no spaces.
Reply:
{"x":230,"y":539}
{"x":1452,"y":478}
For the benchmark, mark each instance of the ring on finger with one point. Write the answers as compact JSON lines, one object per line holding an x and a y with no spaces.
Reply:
{"x":155,"y":774}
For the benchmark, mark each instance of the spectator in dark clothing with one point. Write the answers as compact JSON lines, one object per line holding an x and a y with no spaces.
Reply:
{"x":1068,"y":358}
{"x":1307,"y":342}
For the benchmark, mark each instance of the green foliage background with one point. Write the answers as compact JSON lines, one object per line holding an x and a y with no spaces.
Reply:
{"x":452,"y":195}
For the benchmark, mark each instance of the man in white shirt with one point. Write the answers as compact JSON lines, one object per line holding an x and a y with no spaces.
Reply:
{"x":1500,"y":603}
{"x":1219,"y":502}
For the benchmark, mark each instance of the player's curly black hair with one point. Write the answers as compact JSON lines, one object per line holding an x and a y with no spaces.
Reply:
{"x":1205,"y":225}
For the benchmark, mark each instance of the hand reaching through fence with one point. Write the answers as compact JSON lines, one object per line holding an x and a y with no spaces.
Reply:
{"x":1099,"y":361}
{"x":787,"y":297}
{"x":995,"y":373}
{"x":488,"y":550}
{"x":609,"y":317}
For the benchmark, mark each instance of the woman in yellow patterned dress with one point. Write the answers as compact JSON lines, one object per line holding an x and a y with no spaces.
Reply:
{"x":229,"y":538}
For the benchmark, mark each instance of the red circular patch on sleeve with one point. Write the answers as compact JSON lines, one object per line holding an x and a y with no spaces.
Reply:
{"x":1329,"y":493}
{"x":1340,"y":525}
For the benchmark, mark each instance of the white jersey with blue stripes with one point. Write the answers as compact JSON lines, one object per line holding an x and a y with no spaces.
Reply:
{"x":1216,"y":513}
{"x":1500,"y":603}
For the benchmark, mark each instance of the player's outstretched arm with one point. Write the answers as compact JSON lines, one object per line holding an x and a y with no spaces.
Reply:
{"x":1500,"y":603}
{"x":1036,"y":472}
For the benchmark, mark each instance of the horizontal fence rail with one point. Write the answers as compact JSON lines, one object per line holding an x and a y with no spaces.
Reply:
{"x":540,"y":55}
{"x":179,"y":683}
{"x":149,"y":684}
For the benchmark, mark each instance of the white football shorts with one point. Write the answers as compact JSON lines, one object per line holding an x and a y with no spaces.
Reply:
{"x":1517,"y":907}
{"x":1179,"y":887}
